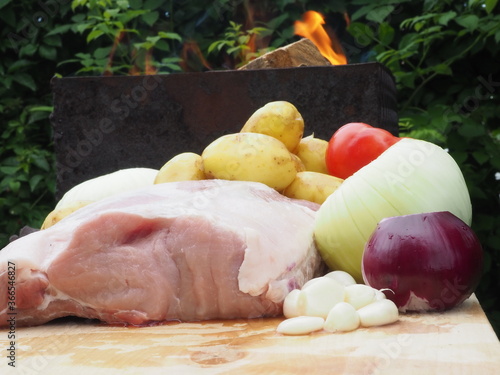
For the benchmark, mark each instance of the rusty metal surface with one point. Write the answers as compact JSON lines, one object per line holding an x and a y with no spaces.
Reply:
{"x":102,"y":124}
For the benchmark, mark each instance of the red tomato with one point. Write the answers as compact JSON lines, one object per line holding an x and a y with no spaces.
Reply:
{"x":353,"y":146}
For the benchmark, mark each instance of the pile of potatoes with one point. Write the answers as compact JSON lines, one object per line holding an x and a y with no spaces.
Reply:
{"x":270,"y":148}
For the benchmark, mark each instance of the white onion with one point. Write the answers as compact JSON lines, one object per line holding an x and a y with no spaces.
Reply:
{"x":412,"y":176}
{"x":107,"y":185}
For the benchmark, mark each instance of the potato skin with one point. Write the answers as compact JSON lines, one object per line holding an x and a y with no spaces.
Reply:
{"x":312,"y":152}
{"x":312,"y":186}
{"x":278,"y":119}
{"x":60,"y":213}
{"x":299,"y":165}
{"x":250,"y":157}
{"x":186,"y":166}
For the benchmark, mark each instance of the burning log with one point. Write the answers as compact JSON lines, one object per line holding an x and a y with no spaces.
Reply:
{"x":300,"y":53}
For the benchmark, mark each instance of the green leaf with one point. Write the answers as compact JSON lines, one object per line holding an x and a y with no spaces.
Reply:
{"x":35,"y":181}
{"x":469,"y":21}
{"x":385,"y":33}
{"x":4,"y":3}
{"x":42,"y":163}
{"x":59,"y":30}
{"x":47,"y":52}
{"x":379,"y":14}
{"x":103,"y":52}
{"x":153,"y":4}
{"x":363,"y":34}
{"x":94,"y":34}
{"x":490,"y":5}
{"x":480,"y":156}
{"x":135,"y":4}
{"x":19,"y":64}
{"x":42,"y":108}
{"x":8,"y":170}
{"x":443,"y":69}
{"x":14,"y":186}
{"x":277,"y":21}
{"x":446,"y":17}
{"x":162,"y":45}
{"x":79,"y":17}
{"x":81,"y":27}
{"x":53,"y":40}
{"x":459,"y":156}
{"x":407,"y":79}
{"x":243,"y":39}
{"x":471,"y":129}
{"x":82,"y":55}
{"x":166,"y":35}
{"x":111,"y":13}
{"x":363,"y":11}
{"x":150,"y":18}
{"x":153,"y":39}
{"x":25,"y":80}
{"x":28,"y":50}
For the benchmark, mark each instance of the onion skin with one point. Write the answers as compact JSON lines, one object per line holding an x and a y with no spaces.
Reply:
{"x":429,"y":261}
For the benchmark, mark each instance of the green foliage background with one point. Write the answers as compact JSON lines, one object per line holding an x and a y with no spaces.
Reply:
{"x":444,"y":56}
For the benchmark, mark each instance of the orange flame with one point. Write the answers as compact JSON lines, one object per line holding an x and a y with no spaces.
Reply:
{"x":148,"y":63}
{"x":311,"y":28}
{"x":192,"y":57}
{"x":135,"y":69}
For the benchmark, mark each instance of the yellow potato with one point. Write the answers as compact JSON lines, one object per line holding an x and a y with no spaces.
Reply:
{"x":279,"y":119}
{"x":60,"y":213}
{"x":250,"y":157}
{"x":299,"y":165}
{"x":312,"y":186}
{"x":183,"y":167}
{"x":312,"y":153}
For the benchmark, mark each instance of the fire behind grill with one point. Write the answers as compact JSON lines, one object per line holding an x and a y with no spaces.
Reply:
{"x":102,"y":124}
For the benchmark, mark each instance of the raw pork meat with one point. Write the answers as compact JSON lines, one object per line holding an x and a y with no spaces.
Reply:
{"x":191,"y":250}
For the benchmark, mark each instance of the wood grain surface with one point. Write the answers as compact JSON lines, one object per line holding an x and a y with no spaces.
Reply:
{"x":460,"y":341}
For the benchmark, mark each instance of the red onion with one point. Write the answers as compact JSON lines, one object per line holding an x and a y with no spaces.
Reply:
{"x":430,"y":261}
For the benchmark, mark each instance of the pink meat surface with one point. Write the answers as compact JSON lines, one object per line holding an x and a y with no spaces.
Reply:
{"x":186,"y":251}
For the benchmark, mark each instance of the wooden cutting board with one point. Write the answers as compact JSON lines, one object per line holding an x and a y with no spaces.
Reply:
{"x":460,"y":341}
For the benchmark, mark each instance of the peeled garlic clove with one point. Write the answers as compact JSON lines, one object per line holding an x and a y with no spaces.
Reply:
{"x":342,"y":277}
{"x":290,"y":304}
{"x":380,"y":295}
{"x":359,"y":295}
{"x":378,"y":313}
{"x":310,"y":282}
{"x":300,"y":325}
{"x":342,"y":317}
{"x":319,"y":297}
